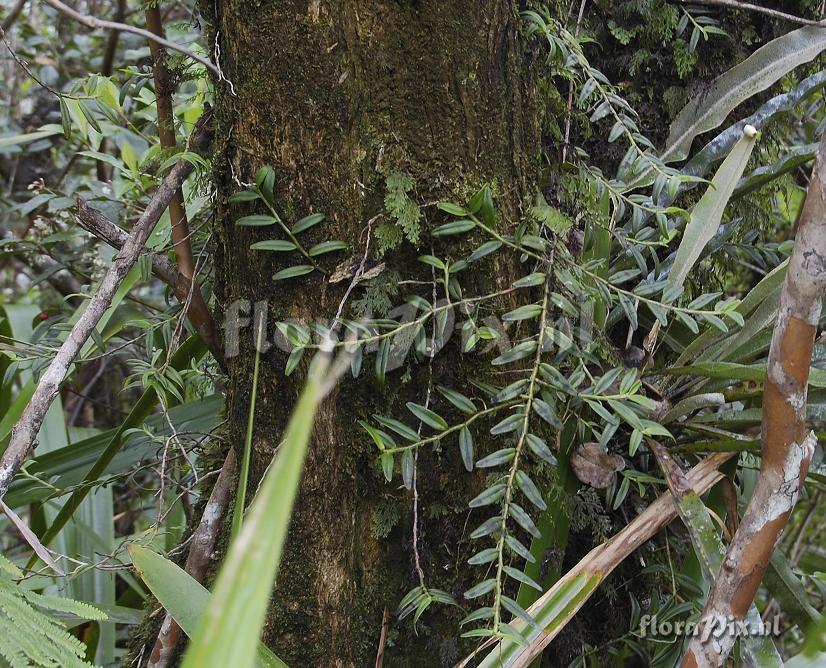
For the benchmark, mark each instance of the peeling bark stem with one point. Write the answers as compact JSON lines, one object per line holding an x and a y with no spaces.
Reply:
{"x":98,"y":225}
{"x":24,"y":432}
{"x":787,"y":449}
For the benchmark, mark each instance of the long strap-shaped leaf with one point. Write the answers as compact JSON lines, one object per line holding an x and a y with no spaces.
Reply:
{"x":733,"y":371}
{"x":228,"y":633}
{"x":759,"y":71}
{"x":183,"y":596}
{"x":712,"y":338}
{"x":708,"y":212}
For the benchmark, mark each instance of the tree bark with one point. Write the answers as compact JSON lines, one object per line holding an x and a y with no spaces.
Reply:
{"x":336,"y":95}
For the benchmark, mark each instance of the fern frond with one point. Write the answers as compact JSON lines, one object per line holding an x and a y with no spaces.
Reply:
{"x":29,"y":636}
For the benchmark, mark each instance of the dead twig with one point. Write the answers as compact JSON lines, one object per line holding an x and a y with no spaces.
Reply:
{"x":201,"y":550}
{"x":102,"y":24}
{"x":385,"y":627}
{"x":748,"y":7}
{"x":199,"y":314}
{"x":24,"y":432}
{"x":787,"y":448}
{"x":31,"y":538}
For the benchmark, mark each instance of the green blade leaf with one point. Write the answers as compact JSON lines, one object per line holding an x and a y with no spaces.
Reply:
{"x":466,"y":448}
{"x":228,"y":632}
{"x":457,"y":227}
{"x":307,"y":222}
{"x":485,"y":249}
{"x":458,"y":399}
{"x":256,"y":220}
{"x":523,"y":313}
{"x":452,"y":209}
{"x":182,"y":595}
{"x":326,"y":247}
{"x":707,"y":214}
{"x":278,"y":245}
{"x":427,"y":416}
{"x":18,"y":140}
{"x":759,"y":71}
{"x":243,"y":196}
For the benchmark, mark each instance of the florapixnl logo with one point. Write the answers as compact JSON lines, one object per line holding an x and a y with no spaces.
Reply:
{"x":716,"y":626}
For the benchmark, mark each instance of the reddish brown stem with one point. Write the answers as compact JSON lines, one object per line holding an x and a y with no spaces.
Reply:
{"x":164,"y":89}
{"x":787,"y":449}
{"x":189,"y":293}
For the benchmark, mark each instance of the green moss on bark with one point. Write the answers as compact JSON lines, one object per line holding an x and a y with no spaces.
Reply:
{"x":336,"y":96}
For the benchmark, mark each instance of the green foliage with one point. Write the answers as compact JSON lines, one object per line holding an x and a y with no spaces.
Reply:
{"x":652,"y":27}
{"x":264,"y":193}
{"x":405,"y":214}
{"x":378,"y":296}
{"x":385,"y":518}
{"x":229,"y":630}
{"x":184,"y":597}
{"x":32,"y":636}
{"x":626,"y":306}
{"x":684,"y":58}
{"x":588,"y":514}
{"x":556,"y":221}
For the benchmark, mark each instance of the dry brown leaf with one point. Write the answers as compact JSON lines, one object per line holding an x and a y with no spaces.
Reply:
{"x":595,"y":467}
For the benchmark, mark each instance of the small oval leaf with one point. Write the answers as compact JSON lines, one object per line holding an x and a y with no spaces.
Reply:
{"x":326,"y":247}
{"x":307,"y":222}
{"x":292,"y":272}
{"x":256,"y":220}
{"x":278,"y":245}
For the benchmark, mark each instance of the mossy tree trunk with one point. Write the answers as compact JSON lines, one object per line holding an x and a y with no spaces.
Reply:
{"x":336,"y":95}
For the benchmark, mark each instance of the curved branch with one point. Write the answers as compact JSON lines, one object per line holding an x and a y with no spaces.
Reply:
{"x":101,"y":24}
{"x":23,"y":434}
{"x":787,"y":448}
{"x":94,"y":222}
{"x":201,"y":553}
{"x":747,"y":6}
